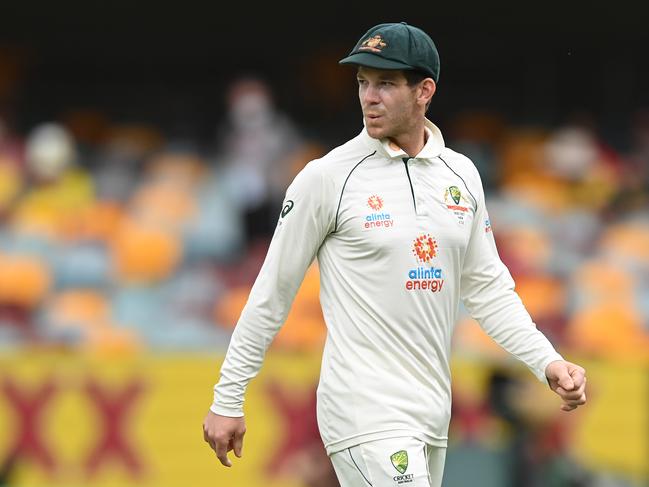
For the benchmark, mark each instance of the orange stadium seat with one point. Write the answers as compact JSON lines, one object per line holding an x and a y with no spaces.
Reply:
{"x":24,"y":280}
{"x":145,"y":253}
{"x":542,"y":295}
{"x":628,"y":241}
{"x":182,"y":169}
{"x":164,"y":203}
{"x":98,"y":221}
{"x":611,"y":329}
{"x":601,"y":280}
{"x":78,"y":308}
{"x":304,"y":328}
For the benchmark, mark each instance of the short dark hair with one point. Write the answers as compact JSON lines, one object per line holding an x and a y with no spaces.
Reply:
{"x":414,"y":77}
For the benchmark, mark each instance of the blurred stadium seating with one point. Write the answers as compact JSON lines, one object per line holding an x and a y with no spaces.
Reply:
{"x":126,"y":258}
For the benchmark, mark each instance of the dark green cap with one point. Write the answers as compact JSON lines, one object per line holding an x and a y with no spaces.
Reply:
{"x":396,"y":46}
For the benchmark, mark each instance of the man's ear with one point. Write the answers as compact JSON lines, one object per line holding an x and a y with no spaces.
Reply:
{"x":428,"y":87}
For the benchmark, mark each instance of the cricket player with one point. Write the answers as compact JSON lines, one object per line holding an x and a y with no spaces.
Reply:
{"x":399,"y":226}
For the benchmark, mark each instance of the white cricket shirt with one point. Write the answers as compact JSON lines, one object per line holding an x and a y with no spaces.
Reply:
{"x":399,"y":242}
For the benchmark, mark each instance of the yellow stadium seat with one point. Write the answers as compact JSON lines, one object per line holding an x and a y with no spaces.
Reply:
{"x":10,"y":182}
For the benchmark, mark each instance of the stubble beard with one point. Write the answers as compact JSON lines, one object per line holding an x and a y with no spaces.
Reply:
{"x":377,"y":130}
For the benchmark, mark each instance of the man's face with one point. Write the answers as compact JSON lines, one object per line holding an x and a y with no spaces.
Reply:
{"x":388,"y":103}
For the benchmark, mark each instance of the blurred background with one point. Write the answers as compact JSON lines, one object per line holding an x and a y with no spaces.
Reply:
{"x":144,"y":153}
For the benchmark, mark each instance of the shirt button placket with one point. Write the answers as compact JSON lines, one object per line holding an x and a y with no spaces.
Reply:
{"x":419,"y":199}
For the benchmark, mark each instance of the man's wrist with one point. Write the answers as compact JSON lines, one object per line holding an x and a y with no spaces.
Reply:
{"x":226,"y":411}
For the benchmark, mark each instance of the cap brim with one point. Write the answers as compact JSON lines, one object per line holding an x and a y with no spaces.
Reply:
{"x":373,"y":61}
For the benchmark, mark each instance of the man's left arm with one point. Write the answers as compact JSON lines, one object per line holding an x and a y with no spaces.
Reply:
{"x":487,"y":291}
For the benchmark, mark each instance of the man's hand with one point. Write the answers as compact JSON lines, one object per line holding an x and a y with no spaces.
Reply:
{"x":568,"y":380}
{"x":224,"y":434}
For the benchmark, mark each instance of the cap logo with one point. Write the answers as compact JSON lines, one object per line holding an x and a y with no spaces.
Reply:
{"x":374,"y":44}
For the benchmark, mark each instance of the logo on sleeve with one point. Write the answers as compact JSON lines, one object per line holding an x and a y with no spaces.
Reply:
{"x":487,"y":225}
{"x":378,"y":218}
{"x":400,"y":463}
{"x":287,"y":208}
{"x":425,"y":276}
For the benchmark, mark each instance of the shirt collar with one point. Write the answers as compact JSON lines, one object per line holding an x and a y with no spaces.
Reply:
{"x":433,"y":147}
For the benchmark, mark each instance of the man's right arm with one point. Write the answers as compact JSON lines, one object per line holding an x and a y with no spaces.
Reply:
{"x":305,"y":221}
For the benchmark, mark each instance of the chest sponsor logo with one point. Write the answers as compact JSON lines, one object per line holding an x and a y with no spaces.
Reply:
{"x":456,"y":202}
{"x":378,"y":218}
{"x":400,"y":463}
{"x":425,"y":276}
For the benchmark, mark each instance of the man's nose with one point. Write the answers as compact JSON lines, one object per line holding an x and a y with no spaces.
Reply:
{"x":371,"y":95}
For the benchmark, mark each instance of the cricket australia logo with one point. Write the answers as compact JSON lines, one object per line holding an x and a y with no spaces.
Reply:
{"x":400,"y":463}
{"x":456,"y":202}
{"x":374,"y":44}
{"x":425,"y":276}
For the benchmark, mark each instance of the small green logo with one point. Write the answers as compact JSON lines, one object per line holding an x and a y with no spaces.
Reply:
{"x":455,"y":194}
{"x":287,"y":207}
{"x":400,"y":461}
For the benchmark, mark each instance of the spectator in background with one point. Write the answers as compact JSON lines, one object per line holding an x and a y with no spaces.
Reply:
{"x":254,"y":148}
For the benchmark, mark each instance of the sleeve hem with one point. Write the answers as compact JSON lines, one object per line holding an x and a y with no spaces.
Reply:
{"x":226,"y":411}
{"x":540,"y":374}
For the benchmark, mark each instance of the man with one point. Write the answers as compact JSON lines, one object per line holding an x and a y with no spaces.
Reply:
{"x":399,"y":226}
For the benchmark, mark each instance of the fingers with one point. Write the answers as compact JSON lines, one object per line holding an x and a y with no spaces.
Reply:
{"x":565,"y":381}
{"x":237,"y":444}
{"x":571,"y":386}
{"x":578,"y":375}
{"x":220,"y":447}
{"x":209,"y":440}
{"x":572,"y":394}
{"x":573,"y":399}
{"x":222,"y":452}
{"x":224,"y":434}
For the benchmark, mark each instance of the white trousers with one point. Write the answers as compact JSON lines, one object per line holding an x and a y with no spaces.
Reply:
{"x":392,"y":462}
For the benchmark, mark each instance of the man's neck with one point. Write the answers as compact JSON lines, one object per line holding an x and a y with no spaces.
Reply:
{"x":410,"y":143}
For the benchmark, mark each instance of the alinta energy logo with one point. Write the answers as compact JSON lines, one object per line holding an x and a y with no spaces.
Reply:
{"x":425,"y":276}
{"x":377,"y":219}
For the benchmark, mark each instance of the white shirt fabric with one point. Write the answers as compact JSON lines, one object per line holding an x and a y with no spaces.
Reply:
{"x":398,"y":245}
